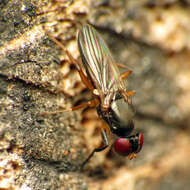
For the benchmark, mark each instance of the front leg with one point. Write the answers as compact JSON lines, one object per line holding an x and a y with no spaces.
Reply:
{"x":99,"y":149}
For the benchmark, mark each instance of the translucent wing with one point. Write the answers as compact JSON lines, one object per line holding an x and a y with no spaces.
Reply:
{"x":98,"y":61}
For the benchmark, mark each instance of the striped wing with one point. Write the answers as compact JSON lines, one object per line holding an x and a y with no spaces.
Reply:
{"x":97,"y":60}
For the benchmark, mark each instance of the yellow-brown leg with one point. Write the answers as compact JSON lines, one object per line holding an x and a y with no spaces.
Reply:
{"x":90,"y":103}
{"x":126,"y":74}
{"x":132,"y":155}
{"x":131,"y":93}
{"x":84,"y":78}
{"x":122,"y":66}
{"x":127,"y":95}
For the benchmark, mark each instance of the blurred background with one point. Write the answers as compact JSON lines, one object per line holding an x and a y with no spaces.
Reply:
{"x":150,"y":37}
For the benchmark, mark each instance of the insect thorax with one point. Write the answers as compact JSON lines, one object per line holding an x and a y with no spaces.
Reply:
{"x":119,"y":116}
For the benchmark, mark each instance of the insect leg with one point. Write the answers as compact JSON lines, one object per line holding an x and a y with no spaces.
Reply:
{"x":126,"y":95}
{"x":99,"y":149}
{"x":131,"y":93}
{"x":122,"y":66}
{"x":90,"y":103}
{"x":132,"y":155}
{"x":83,"y":77}
{"x":124,"y":75}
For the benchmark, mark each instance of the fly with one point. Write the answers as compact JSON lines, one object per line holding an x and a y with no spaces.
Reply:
{"x":100,"y":74}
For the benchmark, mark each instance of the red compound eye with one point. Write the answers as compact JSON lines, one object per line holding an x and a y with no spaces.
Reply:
{"x":122,"y":146}
{"x":128,"y":145}
{"x":141,"y":141}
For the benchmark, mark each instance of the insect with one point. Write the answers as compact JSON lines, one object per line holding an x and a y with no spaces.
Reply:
{"x":100,"y":73}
